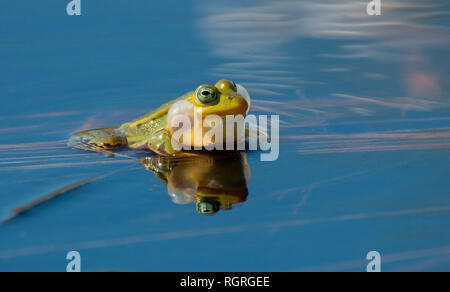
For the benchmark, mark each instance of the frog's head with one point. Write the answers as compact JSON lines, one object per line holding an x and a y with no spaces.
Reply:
{"x":223,"y":99}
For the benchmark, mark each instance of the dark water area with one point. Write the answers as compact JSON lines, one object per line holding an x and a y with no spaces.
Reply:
{"x":364,"y":134}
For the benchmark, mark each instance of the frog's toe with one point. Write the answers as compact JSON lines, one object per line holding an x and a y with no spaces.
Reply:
{"x":161,"y":144}
{"x":97,"y":139}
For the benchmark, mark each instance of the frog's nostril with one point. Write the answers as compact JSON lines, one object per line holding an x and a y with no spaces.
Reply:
{"x":206,"y":93}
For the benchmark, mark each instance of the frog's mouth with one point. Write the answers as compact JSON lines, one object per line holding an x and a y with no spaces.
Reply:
{"x":232,"y":105}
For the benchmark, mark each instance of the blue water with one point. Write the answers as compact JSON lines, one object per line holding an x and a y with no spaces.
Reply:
{"x":364,"y":147}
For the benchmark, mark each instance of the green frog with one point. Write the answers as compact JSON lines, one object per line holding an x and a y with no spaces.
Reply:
{"x":203,"y":179}
{"x":153,"y":131}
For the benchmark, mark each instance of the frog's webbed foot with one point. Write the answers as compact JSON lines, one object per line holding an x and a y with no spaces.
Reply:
{"x":161,"y":144}
{"x":98,"y":140}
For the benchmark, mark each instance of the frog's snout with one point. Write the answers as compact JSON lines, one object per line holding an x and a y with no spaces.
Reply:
{"x":244,"y":94}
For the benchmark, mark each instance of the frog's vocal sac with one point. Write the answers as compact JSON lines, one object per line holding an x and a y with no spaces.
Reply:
{"x":152,"y":131}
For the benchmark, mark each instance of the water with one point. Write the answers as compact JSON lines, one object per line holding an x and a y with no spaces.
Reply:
{"x":364,"y":148}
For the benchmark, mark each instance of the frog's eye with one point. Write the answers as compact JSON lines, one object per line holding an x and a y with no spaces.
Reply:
{"x":206,"y":94}
{"x":208,"y":208}
{"x":226,"y":86}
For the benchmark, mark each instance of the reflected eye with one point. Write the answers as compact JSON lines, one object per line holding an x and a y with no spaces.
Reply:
{"x":206,"y":94}
{"x":208,"y":208}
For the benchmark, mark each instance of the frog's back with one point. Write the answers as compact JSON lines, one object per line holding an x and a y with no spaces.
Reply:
{"x":139,"y":130}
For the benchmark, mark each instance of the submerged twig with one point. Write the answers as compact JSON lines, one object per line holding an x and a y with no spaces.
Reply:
{"x":29,"y":206}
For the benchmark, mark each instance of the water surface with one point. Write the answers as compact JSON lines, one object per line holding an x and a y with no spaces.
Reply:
{"x":364,"y":148}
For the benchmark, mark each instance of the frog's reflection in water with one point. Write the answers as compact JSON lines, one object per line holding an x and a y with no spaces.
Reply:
{"x":211,"y":180}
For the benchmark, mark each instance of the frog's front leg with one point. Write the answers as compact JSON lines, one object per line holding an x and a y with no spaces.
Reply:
{"x":161,"y":143}
{"x":98,"y":139}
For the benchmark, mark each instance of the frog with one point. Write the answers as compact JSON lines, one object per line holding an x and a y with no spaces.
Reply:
{"x":153,"y":131}
{"x":203,"y":179}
